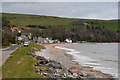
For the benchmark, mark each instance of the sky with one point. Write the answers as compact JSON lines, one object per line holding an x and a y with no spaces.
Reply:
{"x":60,"y":0}
{"x":86,"y":10}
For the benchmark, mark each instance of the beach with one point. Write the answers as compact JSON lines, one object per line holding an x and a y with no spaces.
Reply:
{"x":60,"y":56}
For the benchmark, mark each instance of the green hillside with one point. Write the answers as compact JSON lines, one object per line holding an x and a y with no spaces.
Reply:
{"x":22,"y":20}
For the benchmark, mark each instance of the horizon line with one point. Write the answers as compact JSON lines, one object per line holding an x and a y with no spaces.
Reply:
{"x":58,"y":16}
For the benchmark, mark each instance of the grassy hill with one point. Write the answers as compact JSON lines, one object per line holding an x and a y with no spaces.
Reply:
{"x":22,"y":20}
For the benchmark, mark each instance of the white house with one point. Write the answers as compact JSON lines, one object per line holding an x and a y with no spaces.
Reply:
{"x":68,"y":40}
{"x":47,"y":40}
{"x":85,"y":23}
{"x":56,"y":41}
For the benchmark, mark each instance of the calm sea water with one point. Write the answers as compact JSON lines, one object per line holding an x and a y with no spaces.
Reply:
{"x":103,"y":57}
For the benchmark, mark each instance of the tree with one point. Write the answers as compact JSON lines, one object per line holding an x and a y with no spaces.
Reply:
{"x":5,"y":22}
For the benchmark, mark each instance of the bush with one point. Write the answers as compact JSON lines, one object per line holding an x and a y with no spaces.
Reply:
{"x":6,"y":44}
{"x":11,"y":41}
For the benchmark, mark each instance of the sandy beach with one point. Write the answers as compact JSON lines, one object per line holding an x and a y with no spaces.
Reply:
{"x":60,"y":56}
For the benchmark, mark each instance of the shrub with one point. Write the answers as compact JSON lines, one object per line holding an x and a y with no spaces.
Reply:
{"x":11,"y":41}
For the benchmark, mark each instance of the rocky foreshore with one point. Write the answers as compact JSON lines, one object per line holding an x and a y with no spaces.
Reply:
{"x":53,"y":69}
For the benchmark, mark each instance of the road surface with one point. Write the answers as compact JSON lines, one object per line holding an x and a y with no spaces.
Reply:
{"x":5,"y":53}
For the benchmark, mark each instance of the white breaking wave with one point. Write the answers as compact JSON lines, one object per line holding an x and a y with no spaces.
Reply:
{"x":86,"y":61}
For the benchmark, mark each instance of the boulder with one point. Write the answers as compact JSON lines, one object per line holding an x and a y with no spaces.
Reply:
{"x":51,"y":76}
{"x":50,"y":71}
{"x":33,"y":55}
{"x":75,"y":75}
{"x":56,"y":65}
{"x":30,"y":54}
{"x":50,"y":65}
{"x":51,"y":68}
{"x":40,"y":69}
{"x":90,"y":76}
{"x":80,"y":74}
{"x":73,"y":70}
{"x":42,"y":60}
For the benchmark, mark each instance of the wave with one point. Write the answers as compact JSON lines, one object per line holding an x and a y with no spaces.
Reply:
{"x":86,"y":61}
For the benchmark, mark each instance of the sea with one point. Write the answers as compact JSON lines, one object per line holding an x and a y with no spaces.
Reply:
{"x":99,"y":56}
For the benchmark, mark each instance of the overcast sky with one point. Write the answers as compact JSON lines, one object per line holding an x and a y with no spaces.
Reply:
{"x":60,"y":0}
{"x":91,"y":10}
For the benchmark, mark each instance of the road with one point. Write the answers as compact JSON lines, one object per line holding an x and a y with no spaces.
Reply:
{"x":5,"y":53}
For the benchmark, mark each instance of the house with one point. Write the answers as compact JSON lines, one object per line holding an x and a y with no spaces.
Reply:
{"x":47,"y":40}
{"x":56,"y":41}
{"x":85,"y":23}
{"x":84,"y":41}
{"x":25,"y":36}
{"x":68,"y":40}
{"x":14,"y":28}
{"x":35,"y":39}
{"x":42,"y":40}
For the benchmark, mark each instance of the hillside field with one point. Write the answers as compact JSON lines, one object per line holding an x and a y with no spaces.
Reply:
{"x":22,"y":20}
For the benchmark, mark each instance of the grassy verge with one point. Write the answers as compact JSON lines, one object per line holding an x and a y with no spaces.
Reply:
{"x":20,"y":65}
{"x":5,"y":46}
{"x":0,"y":72}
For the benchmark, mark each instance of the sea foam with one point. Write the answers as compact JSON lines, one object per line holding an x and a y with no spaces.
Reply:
{"x":86,"y":61}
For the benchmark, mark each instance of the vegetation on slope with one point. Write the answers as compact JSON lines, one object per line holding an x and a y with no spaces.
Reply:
{"x":61,"y":28}
{"x":23,"y":20}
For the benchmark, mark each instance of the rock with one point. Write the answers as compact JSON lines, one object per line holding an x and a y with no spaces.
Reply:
{"x":73,"y":70}
{"x":30,"y":54}
{"x":38,"y":72}
{"x":50,"y":65}
{"x":54,"y":65}
{"x":56,"y":74}
{"x":42,"y":60}
{"x":70,"y":76}
{"x":64,"y":75}
{"x":40,"y":69}
{"x":84,"y":74}
{"x":51,"y":75}
{"x":90,"y":75}
{"x":33,"y":55}
{"x":18,"y":62}
{"x":75,"y":75}
{"x":81,"y":75}
{"x":44,"y":73}
{"x":34,"y":48}
{"x":37,"y":64}
{"x":50,"y":71}
{"x":51,"y":68}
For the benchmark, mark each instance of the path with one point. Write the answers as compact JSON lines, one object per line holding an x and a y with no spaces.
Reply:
{"x":5,"y":53}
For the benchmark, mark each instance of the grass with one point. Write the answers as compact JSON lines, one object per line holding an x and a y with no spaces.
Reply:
{"x":22,"y":20}
{"x":6,"y":46}
{"x":20,"y":65}
{"x":109,"y":24}
{"x":0,"y":72}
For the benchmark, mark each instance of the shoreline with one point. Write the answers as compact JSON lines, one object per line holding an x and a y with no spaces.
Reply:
{"x":71,"y":63}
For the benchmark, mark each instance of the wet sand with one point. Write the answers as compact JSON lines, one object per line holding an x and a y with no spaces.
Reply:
{"x":60,"y":56}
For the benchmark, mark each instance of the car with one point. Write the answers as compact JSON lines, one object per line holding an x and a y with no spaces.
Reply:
{"x":26,"y":43}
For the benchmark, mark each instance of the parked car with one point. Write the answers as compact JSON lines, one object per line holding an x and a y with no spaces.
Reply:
{"x":26,"y":43}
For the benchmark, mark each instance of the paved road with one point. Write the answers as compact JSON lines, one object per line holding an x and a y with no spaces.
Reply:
{"x":5,"y":53}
